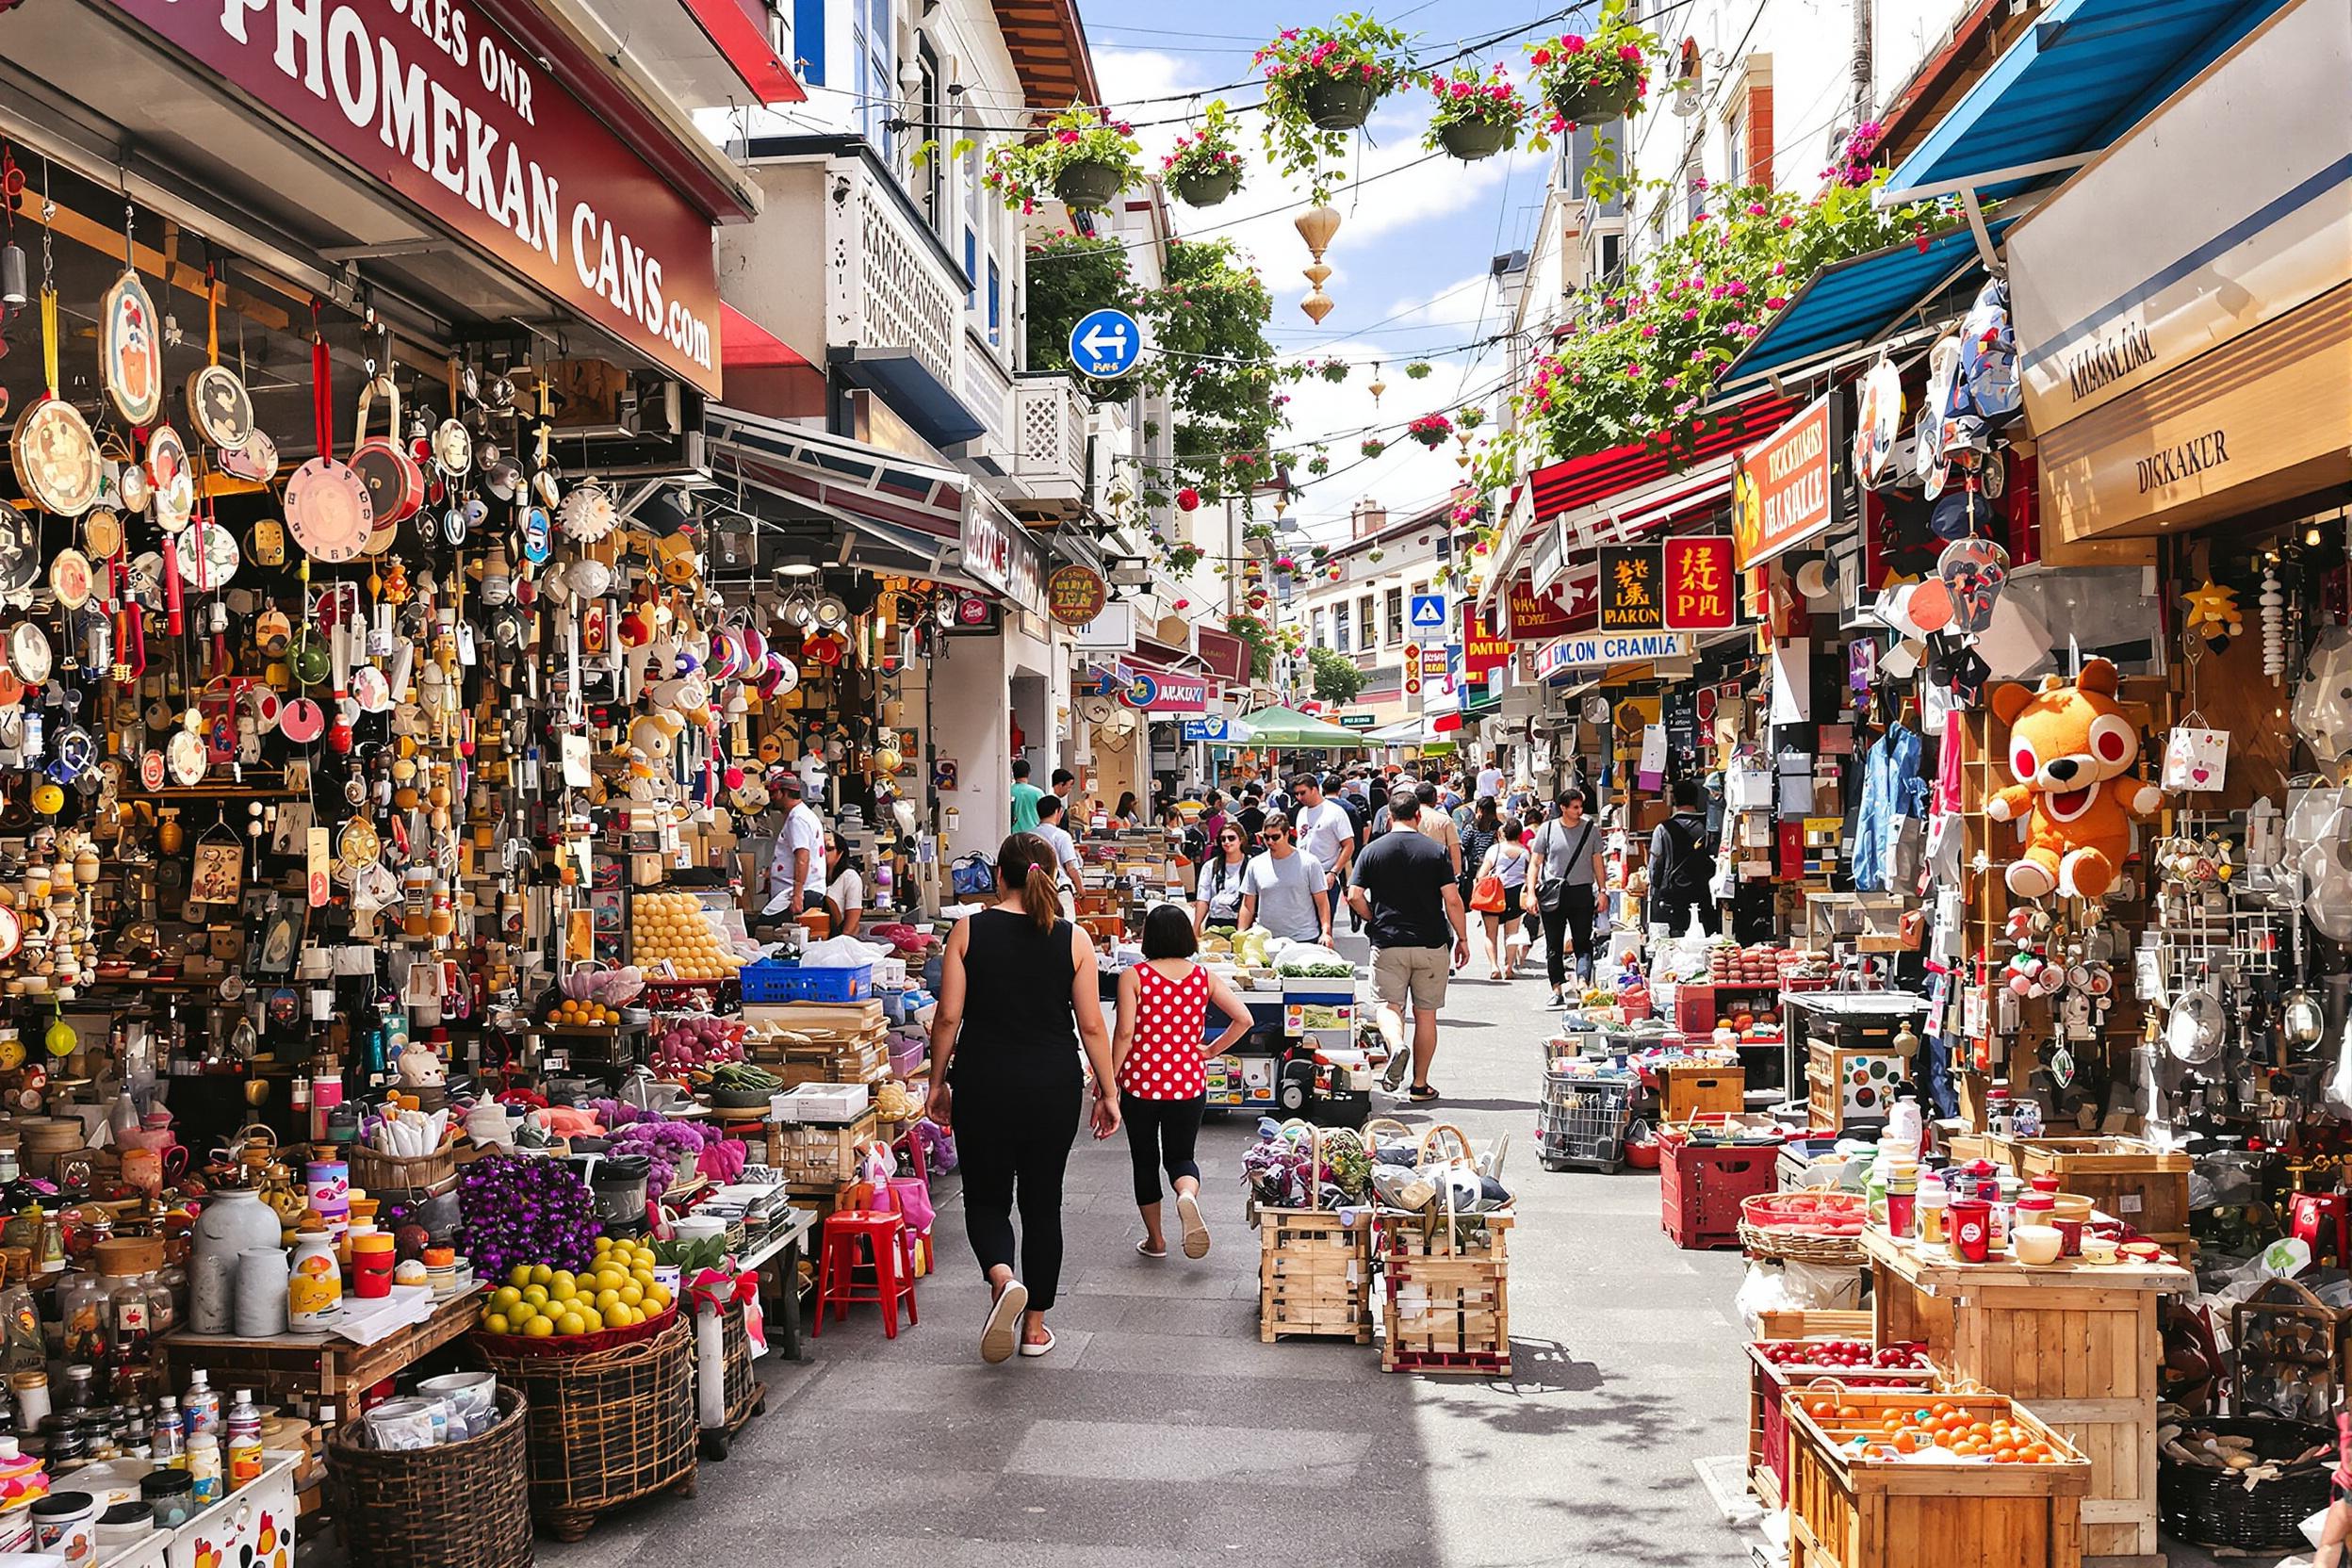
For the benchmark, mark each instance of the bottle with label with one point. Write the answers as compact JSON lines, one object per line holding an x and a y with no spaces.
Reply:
{"x":165,"y":1436}
{"x":204,"y":1468}
{"x":314,"y":1290}
{"x":129,"y":1360}
{"x":200,"y":1406}
{"x":244,"y":1441}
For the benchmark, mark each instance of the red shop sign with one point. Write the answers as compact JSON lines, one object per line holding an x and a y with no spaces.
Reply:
{"x":1702,"y":588}
{"x":454,"y":115}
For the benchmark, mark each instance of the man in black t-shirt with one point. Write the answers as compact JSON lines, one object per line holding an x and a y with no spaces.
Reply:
{"x":1404,"y":891}
{"x":1682,"y":868}
{"x":1251,"y":816}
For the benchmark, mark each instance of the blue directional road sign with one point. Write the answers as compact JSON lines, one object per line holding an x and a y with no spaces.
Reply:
{"x":1428,"y":612}
{"x":1105,"y":344}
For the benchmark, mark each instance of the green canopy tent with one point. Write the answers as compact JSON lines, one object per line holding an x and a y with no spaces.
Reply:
{"x":1288,"y":726}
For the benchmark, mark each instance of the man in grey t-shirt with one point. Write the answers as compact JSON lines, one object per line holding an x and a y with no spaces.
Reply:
{"x":1285,"y":890}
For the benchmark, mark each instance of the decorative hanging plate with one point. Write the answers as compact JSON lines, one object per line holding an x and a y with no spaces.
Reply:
{"x":29,"y":653}
{"x":588,"y":513}
{"x":126,"y":484}
{"x":452,"y":449}
{"x":329,"y":510}
{"x":185,"y":755}
{"x":102,"y":530}
{"x":1880,"y":421}
{"x":143,"y":579}
{"x":11,"y":933}
{"x":20,"y":550}
{"x":302,"y":721}
{"x":357,"y":845}
{"x":265,"y":542}
{"x":219,"y":408}
{"x":208,"y":557}
{"x":175,"y":479}
{"x":372,"y":690}
{"x":68,"y":578}
{"x":57,"y":458}
{"x":255,"y":461}
{"x":538,"y":536}
{"x":130,"y":350}
{"x":151,"y":774}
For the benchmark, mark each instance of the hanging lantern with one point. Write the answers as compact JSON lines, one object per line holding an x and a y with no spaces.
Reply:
{"x":1377,"y":385}
{"x":1316,"y":226}
{"x":1464,"y":437}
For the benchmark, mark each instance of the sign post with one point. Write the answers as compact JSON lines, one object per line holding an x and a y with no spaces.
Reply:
{"x":1428,"y":612}
{"x":1105,"y":344}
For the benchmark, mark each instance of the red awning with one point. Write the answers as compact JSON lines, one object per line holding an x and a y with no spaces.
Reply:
{"x":1583,"y":481}
{"x":746,"y":345}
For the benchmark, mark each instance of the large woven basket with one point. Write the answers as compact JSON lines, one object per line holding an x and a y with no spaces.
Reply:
{"x":607,"y":1427}
{"x":385,"y":1174}
{"x":2218,"y":1507}
{"x":463,"y":1504}
{"x":1762,"y":1238}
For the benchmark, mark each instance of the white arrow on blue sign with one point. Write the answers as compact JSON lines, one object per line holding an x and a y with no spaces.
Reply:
{"x":1105,"y":344}
{"x":1428,"y":612}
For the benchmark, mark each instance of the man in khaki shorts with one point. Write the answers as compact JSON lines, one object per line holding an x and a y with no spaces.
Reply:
{"x":1403,"y":891}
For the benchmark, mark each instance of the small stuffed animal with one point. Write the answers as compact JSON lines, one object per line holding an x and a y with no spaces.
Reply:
{"x":2070,"y":748}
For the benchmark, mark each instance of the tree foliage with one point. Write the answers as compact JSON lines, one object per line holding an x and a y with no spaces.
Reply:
{"x":1336,"y":678}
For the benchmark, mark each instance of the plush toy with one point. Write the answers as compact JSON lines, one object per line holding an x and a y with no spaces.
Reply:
{"x":2070,"y":748}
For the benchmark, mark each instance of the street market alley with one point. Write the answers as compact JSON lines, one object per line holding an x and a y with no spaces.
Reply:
{"x":1162,"y":1431}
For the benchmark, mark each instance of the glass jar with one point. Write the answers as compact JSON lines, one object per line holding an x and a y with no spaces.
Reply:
{"x":171,"y":1493}
{"x":82,"y":1309}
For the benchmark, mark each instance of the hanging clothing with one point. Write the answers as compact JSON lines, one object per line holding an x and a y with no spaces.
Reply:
{"x":1891,"y":791}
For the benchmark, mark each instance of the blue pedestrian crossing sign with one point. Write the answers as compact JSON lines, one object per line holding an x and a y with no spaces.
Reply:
{"x":1105,"y":344}
{"x":1428,"y":612}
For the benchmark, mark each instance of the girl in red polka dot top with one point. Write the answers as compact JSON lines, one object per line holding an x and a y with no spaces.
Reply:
{"x":1156,"y":1056}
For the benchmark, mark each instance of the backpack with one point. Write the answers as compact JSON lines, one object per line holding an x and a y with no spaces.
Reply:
{"x":1356,"y":820}
{"x":1694,"y":863}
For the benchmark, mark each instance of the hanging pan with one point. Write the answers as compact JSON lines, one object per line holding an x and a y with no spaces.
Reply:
{"x":2196,"y":1027}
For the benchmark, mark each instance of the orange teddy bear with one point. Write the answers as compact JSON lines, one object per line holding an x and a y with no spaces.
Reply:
{"x":2070,"y":747}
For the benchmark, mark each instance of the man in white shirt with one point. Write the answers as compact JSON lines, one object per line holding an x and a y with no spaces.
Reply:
{"x":1491,"y":781}
{"x":1326,"y":833}
{"x":796,"y":869}
{"x":1050,"y":819}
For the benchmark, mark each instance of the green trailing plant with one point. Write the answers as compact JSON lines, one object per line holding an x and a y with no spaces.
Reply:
{"x":1068,"y":275}
{"x":1475,"y":116}
{"x":1418,"y":370}
{"x":1206,"y":165}
{"x":1309,"y":70}
{"x":1592,"y":78}
{"x":1025,"y":173}
{"x":1332,"y":371}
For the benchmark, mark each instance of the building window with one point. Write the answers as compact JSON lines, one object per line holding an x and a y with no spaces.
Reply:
{"x":1315,"y":622}
{"x":1370,"y":631}
{"x":996,"y":307}
{"x":971,"y":267}
{"x":873,"y":37}
{"x":932,"y":176}
{"x":1339,"y":628}
{"x":1736,"y":144}
{"x":1396,"y":616}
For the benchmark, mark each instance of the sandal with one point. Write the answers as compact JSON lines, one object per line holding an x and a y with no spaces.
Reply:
{"x":1421,"y":1094}
{"x":1001,"y":1336}
{"x":1195,"y":1228}
{"x":1144,"y":1246}
{"x":1029,"y":1349}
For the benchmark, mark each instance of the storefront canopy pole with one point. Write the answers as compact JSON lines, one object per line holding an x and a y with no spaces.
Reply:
{"x":2040,"y":167}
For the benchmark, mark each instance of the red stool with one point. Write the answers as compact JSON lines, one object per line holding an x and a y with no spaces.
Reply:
{"x":884,"y":1236}
{"x":2309,"y":1214}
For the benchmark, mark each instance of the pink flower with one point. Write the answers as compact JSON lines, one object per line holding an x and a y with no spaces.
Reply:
{"x":1787,"y":220}
{"x":1775,"y":302}
{"x":1699,"y":183}
{"x":1757,"y":209}
{"x":1628,"y":53}
{"x":1670,"y":381}
{"x":1649,"y":332}
{"x":1778,"y":267}
{"x":1540,"y":57}
{"x":1573,"y":43}
{"x":1125,"y":128}
{"x":1690,"y":315}
{"x":1067,"y":138}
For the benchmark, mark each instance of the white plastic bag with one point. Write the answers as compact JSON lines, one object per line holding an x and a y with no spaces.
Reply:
{"x":843,"y":953}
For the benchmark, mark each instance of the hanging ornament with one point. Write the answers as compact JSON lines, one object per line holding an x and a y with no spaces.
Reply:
{"x":2213,"y":614}
{"x":1316,"y":226}
{"x":1377,"y":385}
{"x":1464,"y":438}
{"x":2274,"y":626}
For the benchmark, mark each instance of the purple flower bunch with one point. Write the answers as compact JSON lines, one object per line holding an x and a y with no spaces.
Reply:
{"x":512,"y":1211}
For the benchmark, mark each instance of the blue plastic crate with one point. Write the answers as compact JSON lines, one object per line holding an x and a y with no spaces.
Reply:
{"x":769,"y":981}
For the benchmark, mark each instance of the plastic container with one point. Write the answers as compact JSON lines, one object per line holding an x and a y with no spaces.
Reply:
{"x":770,"y":981}
{"x":1972,"y":1223}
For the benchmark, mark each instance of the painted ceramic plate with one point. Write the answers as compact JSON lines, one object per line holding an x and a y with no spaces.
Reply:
{"x":302,"y":722}
{"x":29,"y":654}
{"x":185,"y":755}
{"x":130,"y":350}
{"x":57,"y":458}
{"x":208,"y":557}
{"x":174,"y":479}
{"x":103,"y":533}
{"x":328,"y":509}
{"x":588,"y":513}
{"x":68,"y":578}
{"x":255,"y":461}
{"x":20,"y":550}
{"x":219,"y":408}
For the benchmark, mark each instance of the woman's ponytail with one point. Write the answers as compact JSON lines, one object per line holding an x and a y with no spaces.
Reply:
{"x":1025,"y":865}
{"x":1042,"y":897}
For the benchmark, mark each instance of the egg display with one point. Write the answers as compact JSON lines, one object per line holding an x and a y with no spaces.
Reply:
{"x":671,"y":928}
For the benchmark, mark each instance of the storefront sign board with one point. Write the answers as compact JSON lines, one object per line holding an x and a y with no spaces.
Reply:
{"x":1075,"y":595}
{"x":1112,"y":631}
{"x":1481,"y":650}
{"x":1631,"y":594}
{"x":1531,"y":617}
{"x":1784,"y":488}
{"x":1359,"y":721}
{"x":998,"y":552}
{"x":1701,"y":590}
{"x":449,"y":111}
{"x":1223,"y":653}
{"x":1598,"y":651}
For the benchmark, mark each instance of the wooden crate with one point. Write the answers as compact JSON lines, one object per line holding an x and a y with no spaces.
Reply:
{"x":1688,"y":1089}
{"x":1849,"y":1511}
{"x":1314,"y":1274}
{"x":818,"y":1155}
{"x":1446,"y":1304}
{"x":2077,"y":1343}
{"x":1848,"y":1084}
{"x":1768,"y":1415}
{"x":2127,"y":1178}
{"x":1813,"y":1323}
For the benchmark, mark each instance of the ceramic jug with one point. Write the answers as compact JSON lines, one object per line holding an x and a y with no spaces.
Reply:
{"x":234,"y":1220}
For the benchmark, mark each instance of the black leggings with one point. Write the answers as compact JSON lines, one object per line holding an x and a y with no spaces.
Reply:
{"x":1569,"y":929}
{"x":1160,"y":1135}
{"x":1013,"y":1133}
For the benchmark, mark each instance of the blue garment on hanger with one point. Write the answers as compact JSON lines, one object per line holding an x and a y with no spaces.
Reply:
{"x":1891,"y":791}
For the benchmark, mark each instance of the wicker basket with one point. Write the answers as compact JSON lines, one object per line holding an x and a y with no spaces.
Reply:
{"x":464,"y":1505}
{"x":606,"y":1428}
{"x":387,"y":1173}
{"x":745,"y":1395}
{"x":1762,"y":1238}
{"x":2218,"y":1507}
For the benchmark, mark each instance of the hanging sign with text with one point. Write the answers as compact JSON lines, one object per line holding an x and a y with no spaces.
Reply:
{"x":1701,"y":590}
{"x":1781,"y":489}
{"x":1075,"y":595}
{"x":1481,"y":650}
{"x":1629,"y":589}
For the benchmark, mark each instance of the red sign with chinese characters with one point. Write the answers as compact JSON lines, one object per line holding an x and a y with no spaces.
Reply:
{"x":1701,"y":586}
{"x":1533,"y":617}
{"x":1481,"y":650}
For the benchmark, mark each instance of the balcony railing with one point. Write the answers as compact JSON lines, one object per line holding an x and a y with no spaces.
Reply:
{"x":888,"y":286}
{"x":1049,"y":442}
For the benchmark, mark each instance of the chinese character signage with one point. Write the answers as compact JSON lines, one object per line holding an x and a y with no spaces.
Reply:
{"x":1481,"y":650}
{"x":1532,"y":618}
{"x":1782,"y":491}
{"x":1075,"y":595}
{"x":1701,"y":586}
{"x":1630,"y":589}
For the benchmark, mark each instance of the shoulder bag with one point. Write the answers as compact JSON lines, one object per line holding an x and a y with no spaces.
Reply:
{"x":1551,"y":892}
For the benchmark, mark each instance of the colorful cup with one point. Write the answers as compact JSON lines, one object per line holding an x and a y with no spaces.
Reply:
{"x":1970,"y":1220}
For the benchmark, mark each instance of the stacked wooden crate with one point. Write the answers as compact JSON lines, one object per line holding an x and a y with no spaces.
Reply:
{"x":820,"y":1042}
{"x":1446,"y":1305}
{"x":1314,"y":1274}
{"x":819,"y":1157}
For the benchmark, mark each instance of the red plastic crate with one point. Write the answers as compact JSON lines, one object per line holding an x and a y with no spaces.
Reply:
{"x":1701,"y":1186}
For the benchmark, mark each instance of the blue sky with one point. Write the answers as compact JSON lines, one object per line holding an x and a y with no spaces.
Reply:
{"x":1414,"y":247}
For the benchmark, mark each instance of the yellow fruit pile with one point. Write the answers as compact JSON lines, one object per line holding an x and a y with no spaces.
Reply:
{"x":671,"y":926}
{"x":538,"y":1302}
{"x":583,"y":1013}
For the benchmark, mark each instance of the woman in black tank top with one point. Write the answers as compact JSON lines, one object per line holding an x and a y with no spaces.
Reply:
{"x":1017,"y":996}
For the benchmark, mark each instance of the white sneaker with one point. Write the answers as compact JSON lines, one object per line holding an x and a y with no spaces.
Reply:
{"x":1554,"y":1002}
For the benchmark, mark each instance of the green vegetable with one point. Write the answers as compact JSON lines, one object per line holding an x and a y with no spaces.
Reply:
{"x":1319,"y":972}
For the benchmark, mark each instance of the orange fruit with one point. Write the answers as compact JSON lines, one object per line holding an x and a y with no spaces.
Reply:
{"x":1906,"y":1443}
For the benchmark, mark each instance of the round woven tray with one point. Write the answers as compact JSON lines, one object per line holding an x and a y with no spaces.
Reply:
{"x":463,"y":1504}
{"x":2216,"y":1507}
{"x":1762,"y":1241}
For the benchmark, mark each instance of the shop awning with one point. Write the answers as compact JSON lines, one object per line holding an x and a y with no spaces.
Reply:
{"x":1853,"y":303}
{"x":914,"y":393}
{"x":1288,"y":726}
{"x":1599,"y":476}
{"x":835,"y":471}
{"x":2083,"y":75}
{"x":746,"y":345}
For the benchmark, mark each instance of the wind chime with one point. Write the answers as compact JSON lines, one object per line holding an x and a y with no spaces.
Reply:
{"x":1316,"y":226}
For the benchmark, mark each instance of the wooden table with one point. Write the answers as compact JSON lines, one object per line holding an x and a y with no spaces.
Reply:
{"x":776,"y":1260}
{"x":320,"y":1368}
{"x":2075,"y":1342}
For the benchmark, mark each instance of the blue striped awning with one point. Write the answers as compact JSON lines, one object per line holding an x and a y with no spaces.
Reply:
{"x":2081,"y":76}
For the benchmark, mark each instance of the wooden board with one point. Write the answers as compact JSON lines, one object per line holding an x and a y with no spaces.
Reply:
{"x":1446,"y":1307}
{"x":1314,"y":1275}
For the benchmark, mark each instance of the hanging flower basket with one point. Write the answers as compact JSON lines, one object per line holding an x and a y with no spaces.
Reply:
{"x":1320,"y":84}
{"x":1430,"y":430}
{"x":1206,"y":190}
{"x":1338,"y":103}
{"x":1593,"y":79}
{"x":1475,"y":116}
{"x":1472,"y":139}
{"x":1206,"y":167}
{"x":1081,"y":159}
{"x":1595,"y":103}
{"x":1089,"y":185}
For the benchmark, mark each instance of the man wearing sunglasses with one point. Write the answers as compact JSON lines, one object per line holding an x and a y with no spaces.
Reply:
{"x":1285,"y":890}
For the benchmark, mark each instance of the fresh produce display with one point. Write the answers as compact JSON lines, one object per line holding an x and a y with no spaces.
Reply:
{"x":1939,"y":1431}
{"x":719,"y":1159}
{"x":616,"y":1291}
{"x":516,"y":1211}
{"x":672,"y":929}
{"x":1812,"y":1213}
{"x":1904,"y":1356}
{"x":573,"y":1013}
{"x":742,"y":1078}
{"x":697,"y":1042}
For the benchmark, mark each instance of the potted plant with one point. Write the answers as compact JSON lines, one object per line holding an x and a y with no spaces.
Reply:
{"x":1082,"y":159}
{"x":1592,"y":78}
{"x":1417,"y":371}
{"x":1323,"y":82}
{"x":1373,"y":448}
{"x":1430,"y":430}
{"x":1475,"y":116}
{"x":1206,"y":166}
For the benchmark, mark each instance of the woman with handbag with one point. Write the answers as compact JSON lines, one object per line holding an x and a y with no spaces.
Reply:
{"x":1217,"y":900}
{"x":1567,"y":854}
{"x":1157,"y":1054}
{"x":1501,"y":888}
{"x":1018,"y":995}
{"x":1479,"y":830}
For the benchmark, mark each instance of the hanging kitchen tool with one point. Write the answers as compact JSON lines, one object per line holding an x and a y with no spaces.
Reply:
{"x":396,"y":485}
{"x":2198,"y":1025}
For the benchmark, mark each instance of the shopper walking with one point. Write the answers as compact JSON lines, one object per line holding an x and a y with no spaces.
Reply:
{"x":1567,"y":854}
{"x":1017,"y":997}
{"x":1217,"y":898}
{"x":1285,"y":890}
{"x":1507,"y":862}
{"x":1484,"y":825}
{"x":1682,"y":868}
{"x":1324,"y":829}
{"x":1155,"y":1056}
{"x":1404,"y":892}
{"x":1025,"y":798}
{"x":1439,"y":824}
